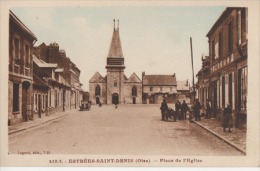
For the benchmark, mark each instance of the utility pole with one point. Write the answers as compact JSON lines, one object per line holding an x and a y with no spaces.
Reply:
{"x":193,"y":87}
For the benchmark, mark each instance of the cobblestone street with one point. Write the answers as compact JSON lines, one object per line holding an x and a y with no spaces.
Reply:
{"x":129,"y":129}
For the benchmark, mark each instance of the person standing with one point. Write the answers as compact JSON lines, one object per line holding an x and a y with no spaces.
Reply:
{"x":164,"y":108}
{"x":227,"y":118}
{"x":208,"y":109}
{"x":178,"y":108}
{"x":184,"y":109}
{"x":196,"y":109}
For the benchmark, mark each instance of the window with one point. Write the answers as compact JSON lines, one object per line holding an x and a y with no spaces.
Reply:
{"x":35,"y":102}
{"x":46,"y":101}
{"x":57,"y":98}
{"x":151,"y":88}
{"x":97,"y":90}
{"x":170,"y":89}
{"x":15,"y":97}
{"x":223,"y":91}
{"x":230,"y":37}
{"x":220,"y":45}
{"x":115,"y":84}
{"x":242,"y":89}
{"x":134,"y":91}
{"x":27,"y":56}
{"x":43,"y":102}
{"x":230,"y":89}
{"x":243,"y":19}
{"x":160,"y":88}
{"x":213,"y":49}
{"x":50,"y":95}
{"x":244,"y":24}
{"x":16,"y":48}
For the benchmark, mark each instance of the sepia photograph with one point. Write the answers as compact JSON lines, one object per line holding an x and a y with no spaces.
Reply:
{"x":128,"y":83}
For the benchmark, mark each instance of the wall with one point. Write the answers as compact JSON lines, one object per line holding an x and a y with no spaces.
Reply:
{"x":92,"y":96}
{"x":127,"y":93}
{"x":115,"y":75}
{"x":156,"y":89}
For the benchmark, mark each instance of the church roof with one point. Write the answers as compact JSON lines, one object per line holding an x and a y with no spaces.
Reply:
{"x":115,"y":50}
{"x":133,"y":79}
{"x":97,"y":78}
{"x":159,"y":80}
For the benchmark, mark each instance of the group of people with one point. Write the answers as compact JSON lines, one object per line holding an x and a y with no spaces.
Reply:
{"x":182,"y":109}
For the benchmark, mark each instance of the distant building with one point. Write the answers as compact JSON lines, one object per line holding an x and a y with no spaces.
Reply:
{"x":158,"y":87}
{"x":228,"y":64}
{"x":115,"y":87}
{"x":184,"y":91}
{"x":20,"y":88}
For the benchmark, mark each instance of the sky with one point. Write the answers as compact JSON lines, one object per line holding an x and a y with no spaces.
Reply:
{"x":154,"y":39}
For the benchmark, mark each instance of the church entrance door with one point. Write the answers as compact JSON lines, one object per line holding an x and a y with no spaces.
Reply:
{"x":97,"y":100}
{"x":115,"y":98}
{"x":134,"y":100}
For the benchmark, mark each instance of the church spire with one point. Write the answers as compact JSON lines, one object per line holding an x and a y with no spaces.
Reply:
{"x":115,"y":50}
{"x":115,"y":58}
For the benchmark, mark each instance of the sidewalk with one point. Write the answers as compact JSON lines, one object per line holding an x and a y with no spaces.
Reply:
{"x":36,"y":122}
{"x":237,"y":137}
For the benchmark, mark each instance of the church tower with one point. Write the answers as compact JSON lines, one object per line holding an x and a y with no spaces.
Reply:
{"x":115,"y":69}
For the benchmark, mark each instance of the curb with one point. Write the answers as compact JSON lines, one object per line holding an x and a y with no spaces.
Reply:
{"x":35,"y":125}
{"x":221,"y":138}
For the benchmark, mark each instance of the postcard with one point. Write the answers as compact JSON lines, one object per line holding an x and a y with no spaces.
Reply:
{"x":129,"y":83}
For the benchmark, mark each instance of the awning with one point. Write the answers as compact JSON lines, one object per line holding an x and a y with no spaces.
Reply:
{"x":43,"y":64}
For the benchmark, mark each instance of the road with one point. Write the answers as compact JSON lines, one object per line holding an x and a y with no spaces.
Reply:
{"x":127,"y":130}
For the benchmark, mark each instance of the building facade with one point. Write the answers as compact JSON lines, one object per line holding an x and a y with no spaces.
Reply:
{"x":184,"y":91}
{"x":115,"y":87}
{"x":203,"y":82}
{"x":20,"y":82}
{"x":66,"y":92}
{"x":159,"y":87}
{"x":228,"y":64}
{"x":57,"y":97}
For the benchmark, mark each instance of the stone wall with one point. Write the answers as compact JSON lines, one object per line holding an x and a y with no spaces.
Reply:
{"x":127,"y":96}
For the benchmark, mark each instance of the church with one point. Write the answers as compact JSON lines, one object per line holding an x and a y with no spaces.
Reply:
{"x":115,"y":87}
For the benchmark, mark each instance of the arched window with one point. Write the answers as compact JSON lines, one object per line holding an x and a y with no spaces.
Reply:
{"x":134,"y":91}
{"x":97,"y":90}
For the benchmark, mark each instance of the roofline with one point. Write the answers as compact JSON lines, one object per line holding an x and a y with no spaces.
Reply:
{"x":161,"y":75}
{"x":223,"y":15}
{"x":159,"y":85}
{"x":137,"y":76}
{"x":23,"y":26}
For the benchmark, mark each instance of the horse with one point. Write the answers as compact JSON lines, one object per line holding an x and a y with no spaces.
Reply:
{"x":170,"y":113}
